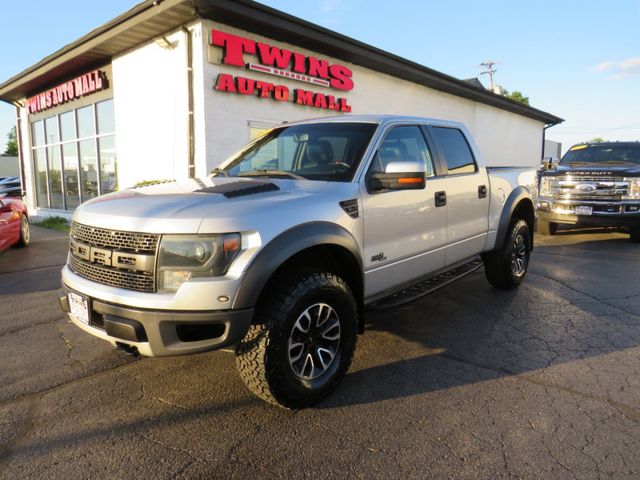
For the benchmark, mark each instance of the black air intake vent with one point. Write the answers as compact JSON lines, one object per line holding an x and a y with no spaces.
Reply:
{"x":240,"y":189}
{"x":351,"y":207}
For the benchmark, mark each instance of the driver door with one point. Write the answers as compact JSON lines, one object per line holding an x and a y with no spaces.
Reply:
{"x":405,"y":231}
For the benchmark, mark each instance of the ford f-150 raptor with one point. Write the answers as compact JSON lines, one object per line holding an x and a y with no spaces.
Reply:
{"x":595,"y":184}
{"x":281,"y":248}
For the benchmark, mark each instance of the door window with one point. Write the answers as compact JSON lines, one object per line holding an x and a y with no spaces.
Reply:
{"x":403,"y":144}
{"x":455,"y":149}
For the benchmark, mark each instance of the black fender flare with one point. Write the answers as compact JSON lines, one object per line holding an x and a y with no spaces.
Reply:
{"x":516,"y":196}
{"x":282,"y":248}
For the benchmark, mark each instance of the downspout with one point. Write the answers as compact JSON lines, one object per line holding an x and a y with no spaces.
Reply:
{"x":20,"y":150}
{"x":544,"y":135}
{"x":189,"y":44}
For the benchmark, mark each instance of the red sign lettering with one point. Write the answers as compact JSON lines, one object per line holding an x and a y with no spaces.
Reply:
{"x":247,"y":86}
{"x":81,"y":86}
{"x":281,"y":62}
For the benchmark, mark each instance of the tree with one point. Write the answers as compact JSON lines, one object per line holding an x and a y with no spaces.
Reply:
{"x":516,"y":95}
{"x":12,"y":143}
{"x":596,"y":140}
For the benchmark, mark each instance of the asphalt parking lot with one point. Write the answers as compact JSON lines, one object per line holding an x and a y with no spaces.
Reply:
{"x":469,"y":382}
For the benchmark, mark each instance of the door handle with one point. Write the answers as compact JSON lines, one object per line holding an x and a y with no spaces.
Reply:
{"x":441,"y":199}
{"x":482,"y":191}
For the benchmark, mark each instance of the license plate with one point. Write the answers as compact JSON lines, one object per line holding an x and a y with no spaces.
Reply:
{"x":583,"y":210}
{"x":79,"y":306}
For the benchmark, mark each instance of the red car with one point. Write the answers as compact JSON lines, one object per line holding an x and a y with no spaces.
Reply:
{"x":14,"y":223}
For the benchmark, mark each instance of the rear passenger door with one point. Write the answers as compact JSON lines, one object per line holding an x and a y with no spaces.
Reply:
{"x":466,"y":194}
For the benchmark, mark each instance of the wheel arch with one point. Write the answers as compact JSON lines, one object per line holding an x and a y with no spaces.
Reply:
{"x":519,"y":204}
{"x":316,"y":245}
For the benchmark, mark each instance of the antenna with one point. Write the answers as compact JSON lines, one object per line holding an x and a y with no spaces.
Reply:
{"x":489,"y":71}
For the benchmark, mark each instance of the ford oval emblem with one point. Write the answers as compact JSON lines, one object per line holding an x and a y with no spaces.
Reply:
{"x":586,"y":188}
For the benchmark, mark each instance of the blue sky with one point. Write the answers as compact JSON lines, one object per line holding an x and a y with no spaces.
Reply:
{"x":579,"y":60}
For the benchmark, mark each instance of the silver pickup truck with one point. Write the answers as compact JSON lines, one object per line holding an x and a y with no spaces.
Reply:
{"x":279,"y":251}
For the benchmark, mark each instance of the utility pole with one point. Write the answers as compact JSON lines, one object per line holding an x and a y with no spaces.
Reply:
{"x":489,"y":71}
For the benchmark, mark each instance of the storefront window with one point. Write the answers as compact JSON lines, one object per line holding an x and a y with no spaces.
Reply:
{"x":74,"y":156}
{"x":51,"y":130}
{"x":55,"y":177}
{"x":42,"y":192}
{"x":88,"y":169}
{"x":106,"y":122}
{"x":108,"y":173}
{"x":71,"y":186}
{"x":37,"y":133}
{"x":67,"y":126}
{"x":85,"y":122}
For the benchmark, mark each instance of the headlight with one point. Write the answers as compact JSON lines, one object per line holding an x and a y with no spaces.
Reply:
{"x":634,"y":189}
{"x":545,"y":186}
{"x":182,"y":257}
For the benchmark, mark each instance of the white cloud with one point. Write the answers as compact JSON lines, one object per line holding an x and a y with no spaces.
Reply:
{"x":620,"y":69}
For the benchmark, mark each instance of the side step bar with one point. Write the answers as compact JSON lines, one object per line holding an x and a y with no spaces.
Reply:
{"x":419,"y":290}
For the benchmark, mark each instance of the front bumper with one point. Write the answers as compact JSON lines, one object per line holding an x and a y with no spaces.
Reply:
{"x":161,"y":332}
{"x":606,"y":214}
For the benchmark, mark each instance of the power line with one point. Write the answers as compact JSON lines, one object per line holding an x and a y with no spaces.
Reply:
{"x":624,"y":127}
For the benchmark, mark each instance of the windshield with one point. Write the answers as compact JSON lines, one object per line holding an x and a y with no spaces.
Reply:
{"x":318,"y":151}
{"x":606,"y":153}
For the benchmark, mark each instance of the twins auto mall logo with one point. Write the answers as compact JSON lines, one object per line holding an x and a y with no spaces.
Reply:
{"x":282,"y":63}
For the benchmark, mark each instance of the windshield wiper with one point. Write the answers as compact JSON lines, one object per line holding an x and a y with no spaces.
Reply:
{"x":219,"y":171}
{"x":268,"y":172}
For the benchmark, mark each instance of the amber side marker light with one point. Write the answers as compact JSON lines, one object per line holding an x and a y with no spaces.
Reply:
{"x":410,"y":180}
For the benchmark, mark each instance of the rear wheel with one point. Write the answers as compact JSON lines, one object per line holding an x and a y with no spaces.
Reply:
{"x":507,"y":267}
{"x":25,"y":232}
{"x":635,"y":234}
{"x":302,"y":341}
{"x":547,"y":228}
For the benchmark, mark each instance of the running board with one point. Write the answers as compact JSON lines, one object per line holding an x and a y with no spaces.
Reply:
{"x":419,"y":290}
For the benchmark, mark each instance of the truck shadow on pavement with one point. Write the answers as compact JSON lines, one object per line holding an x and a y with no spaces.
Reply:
{"x":572,"y":307}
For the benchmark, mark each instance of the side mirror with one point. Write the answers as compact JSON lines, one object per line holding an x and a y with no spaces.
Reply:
{"x":398,"y":176}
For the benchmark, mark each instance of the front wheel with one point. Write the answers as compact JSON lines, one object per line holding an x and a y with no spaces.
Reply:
{"x":25,"y":232}
{"x":507,"y":267}
{"x":301,"y":342}
{"x":635,"y":234}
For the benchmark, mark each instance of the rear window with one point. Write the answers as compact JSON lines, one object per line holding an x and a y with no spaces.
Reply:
{"x":607,"y":153}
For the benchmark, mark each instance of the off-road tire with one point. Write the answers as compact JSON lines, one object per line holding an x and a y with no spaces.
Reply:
{"x":25,"y":232}
{"x":263,"y":356}
{"x":635,"y":234}
{"x":547,"y":228}
{"x":500,"y":265}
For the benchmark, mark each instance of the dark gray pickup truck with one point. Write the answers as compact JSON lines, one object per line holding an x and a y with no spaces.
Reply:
{"x":594,"y":184}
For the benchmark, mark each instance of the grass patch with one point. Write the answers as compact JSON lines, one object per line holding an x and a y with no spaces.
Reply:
{"x":57,"y":223}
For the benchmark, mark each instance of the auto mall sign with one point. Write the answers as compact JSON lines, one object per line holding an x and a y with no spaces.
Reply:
{"x":283,"y":63}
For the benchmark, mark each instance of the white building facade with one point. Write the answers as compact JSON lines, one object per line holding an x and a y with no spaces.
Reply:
{"x":168,"y":92}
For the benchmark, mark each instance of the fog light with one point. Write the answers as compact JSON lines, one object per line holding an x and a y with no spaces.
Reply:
{"x":223,"y":299}
{"x":172,"y":279}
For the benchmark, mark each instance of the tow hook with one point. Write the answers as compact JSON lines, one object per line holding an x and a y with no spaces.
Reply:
{"x":128,"y":349}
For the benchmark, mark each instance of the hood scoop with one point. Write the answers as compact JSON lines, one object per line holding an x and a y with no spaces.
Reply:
{"x":240,"y":189}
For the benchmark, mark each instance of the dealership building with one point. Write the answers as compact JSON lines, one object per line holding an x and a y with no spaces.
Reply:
{"x":171,"y":88}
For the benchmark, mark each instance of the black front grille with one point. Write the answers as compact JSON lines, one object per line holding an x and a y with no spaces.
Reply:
{"x":133,"y":242}
{"x":127,"y":241}
{"x":113,"y":277}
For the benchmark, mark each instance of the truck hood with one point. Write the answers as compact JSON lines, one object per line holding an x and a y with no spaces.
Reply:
{"x":210,"y":205}
{"x":604,"y":171}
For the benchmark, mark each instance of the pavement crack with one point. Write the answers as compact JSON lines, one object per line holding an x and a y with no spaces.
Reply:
{"x":593,"y":297}
{"x":68,"y":345}
{"x":27,"y":327}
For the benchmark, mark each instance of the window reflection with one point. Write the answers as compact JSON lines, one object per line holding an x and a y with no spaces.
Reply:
{"x":55,"y":177}
{"x":88,"y":169}
{"x":74,"y":156}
